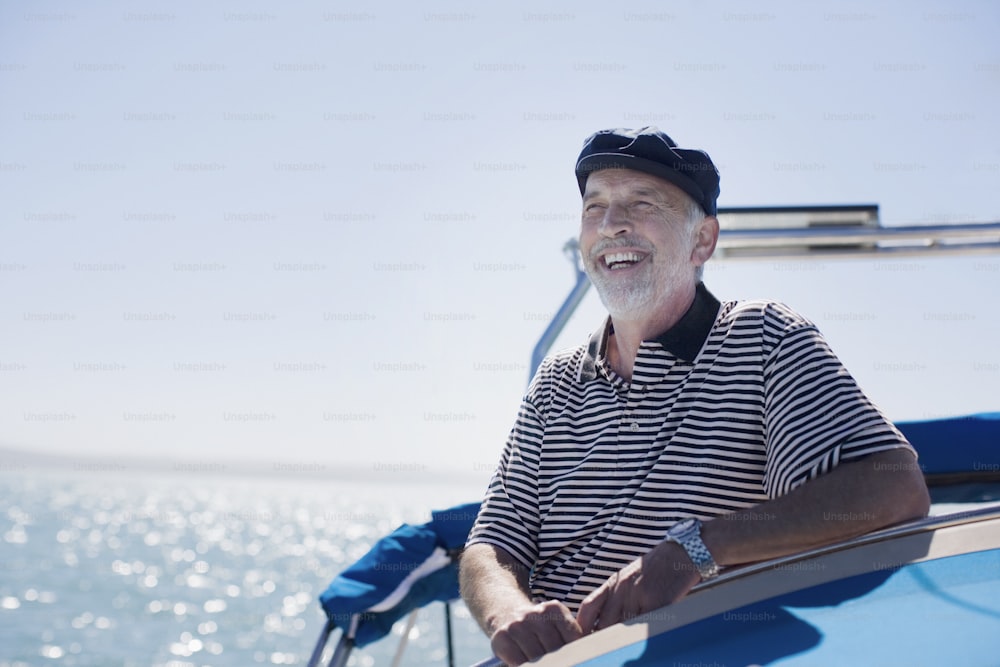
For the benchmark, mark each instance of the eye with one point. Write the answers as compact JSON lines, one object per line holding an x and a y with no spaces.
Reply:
{"x":594,"y":207}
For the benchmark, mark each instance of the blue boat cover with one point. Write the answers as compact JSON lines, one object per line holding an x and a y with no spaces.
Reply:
{"x":405,"y":570}
{"x":956,"y":444}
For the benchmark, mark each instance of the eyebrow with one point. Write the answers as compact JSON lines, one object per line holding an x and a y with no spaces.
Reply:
{"x":650,"y":193}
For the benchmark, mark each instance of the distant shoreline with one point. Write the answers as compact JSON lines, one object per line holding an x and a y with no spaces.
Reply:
{"x":14,"y":461}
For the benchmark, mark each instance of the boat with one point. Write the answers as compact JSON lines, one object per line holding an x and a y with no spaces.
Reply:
{"x":920,"y":593}
{"x":923,"y":593}
{"x":926,"y":592}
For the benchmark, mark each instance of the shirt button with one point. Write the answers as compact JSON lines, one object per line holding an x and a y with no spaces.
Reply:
{"x":634,"y":427}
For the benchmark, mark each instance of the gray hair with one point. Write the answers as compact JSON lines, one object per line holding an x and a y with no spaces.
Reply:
{"x":695,"y":214}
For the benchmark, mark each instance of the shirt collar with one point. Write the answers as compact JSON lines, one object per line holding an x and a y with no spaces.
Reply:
{"x":684,"y":340}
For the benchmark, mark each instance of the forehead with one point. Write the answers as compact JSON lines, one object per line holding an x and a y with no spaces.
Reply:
{"x":627,"y":181}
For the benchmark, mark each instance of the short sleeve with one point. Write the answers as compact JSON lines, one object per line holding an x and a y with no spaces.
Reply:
{"x":509,"y":515}
{"x":815,"y":414}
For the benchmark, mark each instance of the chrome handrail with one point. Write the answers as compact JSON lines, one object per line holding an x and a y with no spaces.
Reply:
{"x":821,"y":242}
{"x":572,"y":251}
{"x":838,"y":235}
{"x":847,"y":241}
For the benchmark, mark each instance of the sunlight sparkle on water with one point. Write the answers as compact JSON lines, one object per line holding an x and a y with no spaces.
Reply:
{"x":49,"y":651}
{"x":16,"y":535}
{"x":214,"y":606}
{"x":193,"y":566}
{"x":82,"y":621}
{"x":197,"y":581}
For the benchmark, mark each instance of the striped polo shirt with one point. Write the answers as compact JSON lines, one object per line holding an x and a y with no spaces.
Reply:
{"x":739,"y":402}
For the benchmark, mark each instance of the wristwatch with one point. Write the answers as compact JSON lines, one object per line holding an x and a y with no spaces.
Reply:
{"x":687,"y":533}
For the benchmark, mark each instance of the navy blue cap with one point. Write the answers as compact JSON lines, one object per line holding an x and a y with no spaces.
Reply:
{"x":650,"y":151}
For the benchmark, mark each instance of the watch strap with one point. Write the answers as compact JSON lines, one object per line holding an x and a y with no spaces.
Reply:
{"x":699,"y":554}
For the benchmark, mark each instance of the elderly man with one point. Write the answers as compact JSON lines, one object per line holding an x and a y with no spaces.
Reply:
{"x":689,"y":435}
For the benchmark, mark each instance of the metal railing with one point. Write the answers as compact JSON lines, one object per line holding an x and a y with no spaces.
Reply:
{"x":820,"y":242}
{"x":854,"y":241}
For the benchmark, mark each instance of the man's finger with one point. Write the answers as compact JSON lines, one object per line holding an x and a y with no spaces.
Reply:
{"x":632,"y":610}
{"x":552,"y":637}
{"x":531,"y":647}
{"x":590,"y":608}
{"x":508,"y":650}
{"x":568,"y":627}
{"x":611,"y":611}
{"x":570,"y":630}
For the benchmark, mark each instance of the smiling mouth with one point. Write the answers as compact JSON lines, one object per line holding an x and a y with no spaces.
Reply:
{"x":621,"y":260}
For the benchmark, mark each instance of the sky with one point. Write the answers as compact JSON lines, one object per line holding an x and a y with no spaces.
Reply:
{"x":327,"y":235}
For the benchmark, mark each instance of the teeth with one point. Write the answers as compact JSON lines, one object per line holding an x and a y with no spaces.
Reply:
{"x":620,"y":258}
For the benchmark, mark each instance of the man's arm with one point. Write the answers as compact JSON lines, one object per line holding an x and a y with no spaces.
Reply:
{"x":495,"y":588}
{"x":853,"y":499}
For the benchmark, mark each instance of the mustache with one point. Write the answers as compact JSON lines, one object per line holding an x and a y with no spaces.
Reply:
{"x":620,"y":242}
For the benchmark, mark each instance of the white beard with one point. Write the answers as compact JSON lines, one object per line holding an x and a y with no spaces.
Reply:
{"x":640,"y":295}
{"x":625,"y":299}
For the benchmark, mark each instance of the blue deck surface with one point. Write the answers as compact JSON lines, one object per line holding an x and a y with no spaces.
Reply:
{"x":941,"y":612}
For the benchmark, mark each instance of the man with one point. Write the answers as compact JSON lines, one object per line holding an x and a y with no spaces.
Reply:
{"x":688,"y":435}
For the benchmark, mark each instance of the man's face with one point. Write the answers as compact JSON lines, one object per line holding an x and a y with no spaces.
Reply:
{"x":636,"y":240}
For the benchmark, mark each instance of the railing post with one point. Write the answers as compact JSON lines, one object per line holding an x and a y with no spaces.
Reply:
{"x":555,"y":327}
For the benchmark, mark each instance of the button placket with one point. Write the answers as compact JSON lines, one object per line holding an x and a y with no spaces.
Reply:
{"x":630,"y":418}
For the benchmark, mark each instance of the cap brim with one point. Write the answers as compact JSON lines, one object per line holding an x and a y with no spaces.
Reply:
{"x":601,"y":161}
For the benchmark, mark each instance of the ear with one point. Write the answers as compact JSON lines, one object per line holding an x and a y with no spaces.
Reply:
{"x":706,"y":233}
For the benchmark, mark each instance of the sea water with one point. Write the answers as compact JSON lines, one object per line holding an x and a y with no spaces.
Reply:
{"x":181,"y":570}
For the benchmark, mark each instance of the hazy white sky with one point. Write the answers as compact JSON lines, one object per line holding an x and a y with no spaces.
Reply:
{"x":320,"y":232}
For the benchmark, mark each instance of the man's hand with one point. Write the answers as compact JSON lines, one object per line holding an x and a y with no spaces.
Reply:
{"x":538,"y":630}
{"x":495,"y":588}
{"x":661,"y":577}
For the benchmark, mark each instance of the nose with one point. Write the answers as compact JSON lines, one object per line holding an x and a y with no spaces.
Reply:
{"x":616,"y":221}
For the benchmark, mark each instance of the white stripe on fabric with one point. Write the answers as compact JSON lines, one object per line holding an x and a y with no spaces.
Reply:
{"x":438,"y":559}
